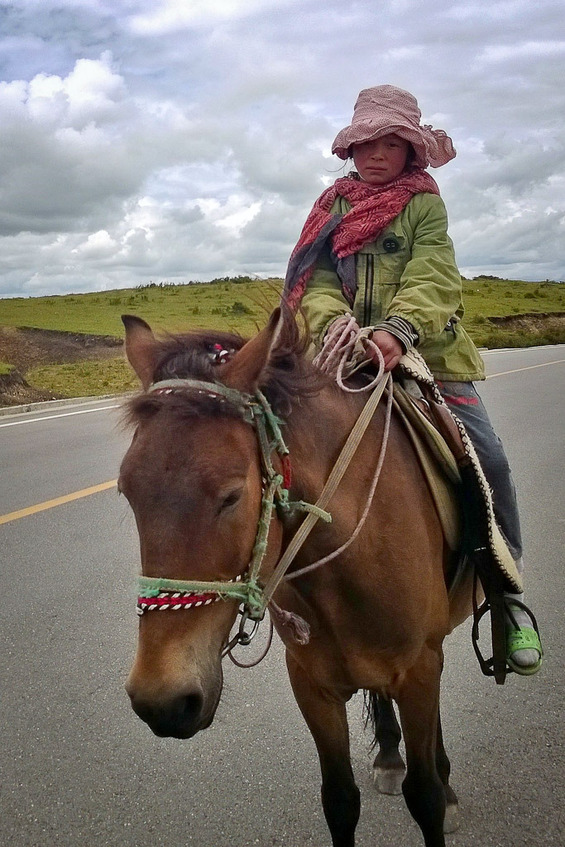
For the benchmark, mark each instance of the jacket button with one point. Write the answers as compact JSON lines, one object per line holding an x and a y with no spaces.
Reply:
{"x":391,"y":245}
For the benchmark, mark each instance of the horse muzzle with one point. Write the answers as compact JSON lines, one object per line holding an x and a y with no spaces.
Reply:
{"x":175,"y":714}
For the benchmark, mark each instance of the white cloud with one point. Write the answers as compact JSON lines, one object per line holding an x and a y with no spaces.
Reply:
{"x":97,"y":245}
{"x":148,"y":140}
{"x":526,"y":50}
{"x":165,"y":16}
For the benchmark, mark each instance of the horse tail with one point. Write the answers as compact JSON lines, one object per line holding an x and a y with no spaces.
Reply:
{"x":371,"y":714}
{"x":379,"y":713}
{"x":388,"y":767}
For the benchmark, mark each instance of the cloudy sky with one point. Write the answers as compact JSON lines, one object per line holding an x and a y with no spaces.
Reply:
{"x":176,"y":140}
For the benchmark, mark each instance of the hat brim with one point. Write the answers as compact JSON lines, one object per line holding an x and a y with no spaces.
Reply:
{"x":363,"y":131}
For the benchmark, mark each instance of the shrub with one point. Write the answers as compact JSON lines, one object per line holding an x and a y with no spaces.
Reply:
{"x":239,"y":308}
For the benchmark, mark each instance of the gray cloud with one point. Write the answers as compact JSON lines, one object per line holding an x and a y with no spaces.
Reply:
{"x":144,"y":139}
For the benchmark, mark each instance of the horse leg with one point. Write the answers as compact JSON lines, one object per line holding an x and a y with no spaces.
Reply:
{"x":388,"y":767}
{"x":451,"y":820}
{"x":423,"y":789}
{"x":325,"y":714}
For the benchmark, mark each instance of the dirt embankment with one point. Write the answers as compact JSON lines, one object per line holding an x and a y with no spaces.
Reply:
{"x":532,"y":321}
{"x":26,"y":348}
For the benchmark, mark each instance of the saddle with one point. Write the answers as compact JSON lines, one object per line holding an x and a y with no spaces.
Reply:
{"x":437,"y":458}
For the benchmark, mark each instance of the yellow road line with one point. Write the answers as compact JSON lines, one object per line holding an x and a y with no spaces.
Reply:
{"x":528,"y":368}
{"x":58,"y":501}
{"x":104,"y":486}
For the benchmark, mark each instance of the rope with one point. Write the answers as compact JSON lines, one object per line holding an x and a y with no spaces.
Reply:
{"x":328,"y":491}
{"x":168,"y":594}
{"x":346,"y":349}
{"x":255,"y":410}
{"x":370,"y":496}
{"x":247,"y":591}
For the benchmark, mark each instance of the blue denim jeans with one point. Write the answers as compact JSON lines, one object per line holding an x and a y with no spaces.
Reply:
{"x":463,"y":400}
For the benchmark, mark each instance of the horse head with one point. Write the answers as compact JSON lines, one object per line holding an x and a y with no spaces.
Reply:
{"x":193,"y":476}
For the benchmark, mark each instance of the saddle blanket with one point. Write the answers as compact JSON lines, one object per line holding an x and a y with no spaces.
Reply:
{"x":442,"y":468}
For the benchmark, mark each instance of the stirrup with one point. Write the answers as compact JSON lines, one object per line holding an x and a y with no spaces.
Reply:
{"x":504,"y":637}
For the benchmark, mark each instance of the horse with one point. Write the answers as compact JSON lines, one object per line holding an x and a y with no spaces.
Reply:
{"x":377,"y":613}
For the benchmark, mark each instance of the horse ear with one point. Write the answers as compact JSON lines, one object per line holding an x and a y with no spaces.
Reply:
{"x":245,"y":370}
{"x":141,"y":348}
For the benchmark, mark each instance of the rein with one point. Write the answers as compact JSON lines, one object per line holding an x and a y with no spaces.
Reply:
{"x":157,"y":593}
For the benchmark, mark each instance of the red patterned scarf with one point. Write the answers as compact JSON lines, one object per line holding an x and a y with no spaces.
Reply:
{"x":372,"y":210}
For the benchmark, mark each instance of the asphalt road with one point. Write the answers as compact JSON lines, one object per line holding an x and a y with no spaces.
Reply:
{"x":78,"y":768}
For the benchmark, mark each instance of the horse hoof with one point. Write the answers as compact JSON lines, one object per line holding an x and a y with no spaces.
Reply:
{"x":389,"y":780}
{"x":451,"y":820}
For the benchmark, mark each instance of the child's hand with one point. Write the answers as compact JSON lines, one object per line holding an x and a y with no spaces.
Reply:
{"x":390,"y":347}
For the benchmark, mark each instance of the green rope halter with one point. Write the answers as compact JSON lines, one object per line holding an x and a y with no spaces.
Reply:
{"x":256,"y":410}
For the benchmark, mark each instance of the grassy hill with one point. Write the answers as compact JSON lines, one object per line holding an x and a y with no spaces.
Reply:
{"x":499,"y":313}
{"x":221,"y":304}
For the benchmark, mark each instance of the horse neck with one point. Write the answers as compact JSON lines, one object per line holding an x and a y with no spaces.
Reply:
{"x":402,"y":522}
{"x":318,"y":427}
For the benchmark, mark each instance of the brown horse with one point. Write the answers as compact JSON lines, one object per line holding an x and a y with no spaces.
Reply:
{"x":378,"y":614}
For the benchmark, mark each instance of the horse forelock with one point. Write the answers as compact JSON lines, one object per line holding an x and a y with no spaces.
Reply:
{"x":287,"y":376}
{"x":195,"y":355}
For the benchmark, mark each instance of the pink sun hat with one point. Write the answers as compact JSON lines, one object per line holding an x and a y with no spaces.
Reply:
{"x":385,"y":109}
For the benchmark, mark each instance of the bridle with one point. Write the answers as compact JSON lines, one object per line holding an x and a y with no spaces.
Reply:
{"x":156,"y":593}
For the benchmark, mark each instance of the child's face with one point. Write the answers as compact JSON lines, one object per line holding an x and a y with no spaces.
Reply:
{"x":382,"y":160}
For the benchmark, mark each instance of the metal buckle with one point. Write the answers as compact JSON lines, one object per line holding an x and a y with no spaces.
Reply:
{"x":243,"y":636}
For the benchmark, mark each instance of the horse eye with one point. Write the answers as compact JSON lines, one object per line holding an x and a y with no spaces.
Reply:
{"x":230,"y":500}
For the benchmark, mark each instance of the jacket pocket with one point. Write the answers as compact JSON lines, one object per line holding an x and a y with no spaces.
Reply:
{"x":375,"y":294}
{"x":390,"y":255}
{"x":380,"y":265}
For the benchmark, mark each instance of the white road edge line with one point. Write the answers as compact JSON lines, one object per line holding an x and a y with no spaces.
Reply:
{"x":526,"y":368}
{"x":63,"y":415}
{"x":518,"y":349}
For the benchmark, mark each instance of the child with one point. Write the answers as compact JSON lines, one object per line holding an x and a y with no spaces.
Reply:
{"x":375,"y":246}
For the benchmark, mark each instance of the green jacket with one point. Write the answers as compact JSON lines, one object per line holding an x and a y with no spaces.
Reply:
{"x":409,"y":271}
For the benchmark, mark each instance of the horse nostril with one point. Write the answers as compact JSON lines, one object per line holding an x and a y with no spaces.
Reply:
{"x":188,"y":708}
{"x":179,"y":717}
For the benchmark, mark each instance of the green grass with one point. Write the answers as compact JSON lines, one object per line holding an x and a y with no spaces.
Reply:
{"x":486,"y":297}
{"x":240,"y":305}
{"x":499,"y":337}
{"x":5,"y":368}
{"x":85,"y":379}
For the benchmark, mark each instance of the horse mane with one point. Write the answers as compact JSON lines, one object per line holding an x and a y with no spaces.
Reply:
{"x":202,"y":355}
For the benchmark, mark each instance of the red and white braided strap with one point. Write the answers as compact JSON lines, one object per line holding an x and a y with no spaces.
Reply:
{"x":175,"y":600}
